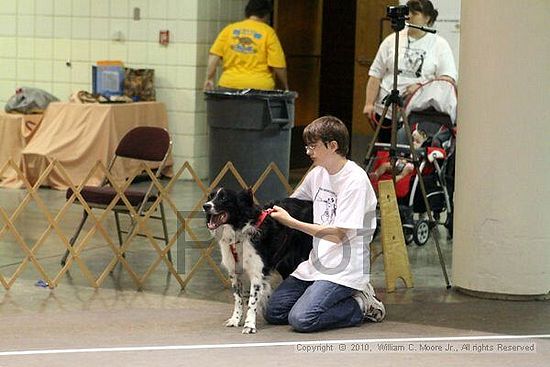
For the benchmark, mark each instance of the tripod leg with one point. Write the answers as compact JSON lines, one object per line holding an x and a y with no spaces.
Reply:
{"x":393,"y":150}
{"x":368,"y":157}
{"x":425,"y":198}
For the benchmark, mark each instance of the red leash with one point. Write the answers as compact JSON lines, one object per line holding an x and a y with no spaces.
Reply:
{"x":233,"y":248}
{"x":262,"y":217}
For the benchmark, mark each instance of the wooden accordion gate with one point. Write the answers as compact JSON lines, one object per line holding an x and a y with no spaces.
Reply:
{"x":30,"y":247}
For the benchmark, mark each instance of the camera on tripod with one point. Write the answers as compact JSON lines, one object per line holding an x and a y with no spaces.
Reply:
{"x":397,"y":12}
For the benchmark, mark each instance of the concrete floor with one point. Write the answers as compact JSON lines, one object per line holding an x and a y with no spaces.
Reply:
{"x":75,"y":324}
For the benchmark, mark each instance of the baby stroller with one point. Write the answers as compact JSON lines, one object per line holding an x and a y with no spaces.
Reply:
{"x":433,"y":129}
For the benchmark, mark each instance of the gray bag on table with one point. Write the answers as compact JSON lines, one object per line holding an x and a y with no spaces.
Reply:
{"x":29,"y":100}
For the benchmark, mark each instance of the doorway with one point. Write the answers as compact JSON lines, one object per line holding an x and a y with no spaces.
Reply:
{"x":329,"y":45}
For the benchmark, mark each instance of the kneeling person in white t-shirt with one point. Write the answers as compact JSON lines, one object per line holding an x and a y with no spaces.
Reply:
{"x":331,"y":289}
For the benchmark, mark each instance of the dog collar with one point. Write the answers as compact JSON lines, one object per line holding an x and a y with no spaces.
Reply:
{"x":262,"y":217}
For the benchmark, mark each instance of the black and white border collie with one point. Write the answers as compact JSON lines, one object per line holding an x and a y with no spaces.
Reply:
{"x":254,"y":245}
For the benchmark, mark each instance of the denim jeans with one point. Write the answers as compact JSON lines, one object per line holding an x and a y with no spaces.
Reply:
{"x":313,"y":306}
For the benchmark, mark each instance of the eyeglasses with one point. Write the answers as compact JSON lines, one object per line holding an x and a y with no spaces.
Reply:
{"x":310,"y":147}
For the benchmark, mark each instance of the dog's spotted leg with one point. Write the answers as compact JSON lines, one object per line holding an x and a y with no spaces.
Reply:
{"x":256,"y":292}
{"x":237,"y":316}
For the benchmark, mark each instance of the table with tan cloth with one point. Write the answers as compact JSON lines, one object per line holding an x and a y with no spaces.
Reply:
{"x":16,"y":130}
{"x":78,"y":135}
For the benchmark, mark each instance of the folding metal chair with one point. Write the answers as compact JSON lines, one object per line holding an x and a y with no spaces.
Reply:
{"x":145,"y":143}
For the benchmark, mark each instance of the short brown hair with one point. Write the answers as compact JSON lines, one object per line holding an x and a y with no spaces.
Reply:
{"x":327,"y":129}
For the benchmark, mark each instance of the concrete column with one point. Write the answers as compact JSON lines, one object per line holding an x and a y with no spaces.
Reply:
{"x":502,"y":217}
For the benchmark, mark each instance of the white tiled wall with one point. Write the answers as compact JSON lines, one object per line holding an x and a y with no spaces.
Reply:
{"x":37,"y":37}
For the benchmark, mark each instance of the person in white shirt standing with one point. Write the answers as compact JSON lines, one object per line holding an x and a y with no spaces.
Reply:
{"x":331,"y":289}
{"x":422,"y":57}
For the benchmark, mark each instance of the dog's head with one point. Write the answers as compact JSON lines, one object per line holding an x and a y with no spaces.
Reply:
{"x":225,"y":206}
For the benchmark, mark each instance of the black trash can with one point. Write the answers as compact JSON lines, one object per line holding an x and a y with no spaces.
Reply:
{"x":250,"y":128}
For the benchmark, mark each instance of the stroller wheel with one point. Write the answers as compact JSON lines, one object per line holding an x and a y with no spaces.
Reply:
{"x":408,"y":233}
{"x":421,"y":232}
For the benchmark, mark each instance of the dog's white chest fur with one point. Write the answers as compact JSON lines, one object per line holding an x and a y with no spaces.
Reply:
{"x":238,"y":254}
{"x":240,"y":258}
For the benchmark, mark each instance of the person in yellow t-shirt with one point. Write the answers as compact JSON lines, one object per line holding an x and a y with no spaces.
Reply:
{"x":250,"y":51}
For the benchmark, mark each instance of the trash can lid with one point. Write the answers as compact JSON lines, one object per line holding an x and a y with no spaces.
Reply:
{"x":250,"y":93}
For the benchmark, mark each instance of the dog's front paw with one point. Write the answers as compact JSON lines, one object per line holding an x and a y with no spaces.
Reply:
{"x":249,"y":330}
{"x":232,"y":322}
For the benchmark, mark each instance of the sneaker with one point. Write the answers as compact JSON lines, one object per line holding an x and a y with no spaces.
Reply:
{"x":374,"y":309}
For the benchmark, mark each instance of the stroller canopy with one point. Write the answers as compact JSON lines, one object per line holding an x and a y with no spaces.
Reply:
{"x":438,"y":94}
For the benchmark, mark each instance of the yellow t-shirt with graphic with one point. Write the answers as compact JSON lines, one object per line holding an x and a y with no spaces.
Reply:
{"x":248,"y":49}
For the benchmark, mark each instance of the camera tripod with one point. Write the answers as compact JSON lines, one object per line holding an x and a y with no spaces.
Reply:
{"x":395,"y":101}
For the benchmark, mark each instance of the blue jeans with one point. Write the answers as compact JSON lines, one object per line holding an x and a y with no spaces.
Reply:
{"x":313,"y":306}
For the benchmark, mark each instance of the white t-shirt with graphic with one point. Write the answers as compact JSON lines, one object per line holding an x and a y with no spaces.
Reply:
{"x":420,"y":60}
{"x":344,"y":200}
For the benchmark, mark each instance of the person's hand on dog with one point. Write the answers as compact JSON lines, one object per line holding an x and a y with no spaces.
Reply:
{"x":281,"y":216}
